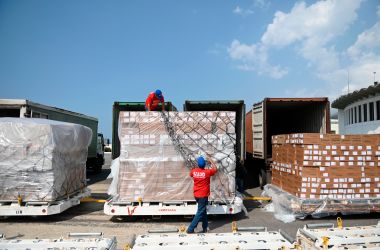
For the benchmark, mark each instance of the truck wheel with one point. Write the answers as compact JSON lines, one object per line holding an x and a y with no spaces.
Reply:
{"x":263,"y":174}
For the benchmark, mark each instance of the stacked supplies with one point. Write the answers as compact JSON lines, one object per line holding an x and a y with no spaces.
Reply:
{"x":158,"y":151}
{"x":41,"y":160}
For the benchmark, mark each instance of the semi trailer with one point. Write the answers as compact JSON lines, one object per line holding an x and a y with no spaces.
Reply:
{"x":274,"y":116}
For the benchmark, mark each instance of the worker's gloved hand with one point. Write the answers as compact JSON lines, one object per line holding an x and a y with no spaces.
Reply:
{"x":212,"y":163}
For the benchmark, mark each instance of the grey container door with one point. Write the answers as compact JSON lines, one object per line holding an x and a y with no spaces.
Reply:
{"x":258,"y":133}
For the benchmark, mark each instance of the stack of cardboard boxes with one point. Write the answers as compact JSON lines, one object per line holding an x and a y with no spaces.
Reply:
{"x":152,"y":161}
{"x":320,"y":166}
{"x":42,"y":160}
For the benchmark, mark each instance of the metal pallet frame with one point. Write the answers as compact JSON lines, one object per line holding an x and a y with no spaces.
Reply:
{"x":319,"y":236}
{"x":169,"y":208}
{"x":74,"y":241}
{"x":221,"y":241}
{"x":41,"y":208}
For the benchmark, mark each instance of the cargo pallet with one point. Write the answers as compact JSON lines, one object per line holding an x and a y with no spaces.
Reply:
{"x":317,"y":208}
{"x":94,"y":241}
{"x":169,"y":208}
{"x":41,"y":208}
{"x":326,"y":236}
{"x":334,"y":206}
{"x":247,"y":238}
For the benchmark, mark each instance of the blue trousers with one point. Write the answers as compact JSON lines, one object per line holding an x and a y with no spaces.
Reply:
{"x":201,"y":215}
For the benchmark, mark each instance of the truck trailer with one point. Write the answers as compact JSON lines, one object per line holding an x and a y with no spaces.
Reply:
{"x":28,"y":109}
{"x":274,"y":116}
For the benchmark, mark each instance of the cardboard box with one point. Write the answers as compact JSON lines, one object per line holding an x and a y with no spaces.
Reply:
{"x":321,"y":165}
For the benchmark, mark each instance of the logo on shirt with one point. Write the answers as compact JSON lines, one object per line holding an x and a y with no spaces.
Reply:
{"x":199,"y":174}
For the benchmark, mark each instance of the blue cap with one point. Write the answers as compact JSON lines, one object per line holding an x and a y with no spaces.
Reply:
{"x":158,"y":93}
{"x":201,"y":162}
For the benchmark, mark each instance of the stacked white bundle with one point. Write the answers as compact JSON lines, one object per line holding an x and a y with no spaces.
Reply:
{"x":42,"y":160}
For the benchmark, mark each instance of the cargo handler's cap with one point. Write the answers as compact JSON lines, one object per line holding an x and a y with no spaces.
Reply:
{"x":201,"y":162}
{"x":158,"y":93}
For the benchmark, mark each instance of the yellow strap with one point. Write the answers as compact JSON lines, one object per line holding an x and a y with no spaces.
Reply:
{"x":325,"y":241}
{"x":296,"y":245}
{"x":90,"y":199}
{"x":257,"y":198}
{"x":339,"y":222}
{"x":19,"y":200}
{"x":234,"y":227}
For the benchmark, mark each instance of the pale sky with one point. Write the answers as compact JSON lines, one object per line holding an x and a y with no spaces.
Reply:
{"x":84,"y":55}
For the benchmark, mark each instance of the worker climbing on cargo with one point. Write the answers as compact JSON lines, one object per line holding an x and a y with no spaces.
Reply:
{"x":201,"y":177}
{"x":153,"y":99}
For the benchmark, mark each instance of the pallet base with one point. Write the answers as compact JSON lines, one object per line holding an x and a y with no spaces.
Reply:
{"x":367,"y":237}
{"x":41,"y":208}
{"x":221,"y":241}
{"x":169,"y":208}
{"x":81,"y":242}
{"x":289,"y":204}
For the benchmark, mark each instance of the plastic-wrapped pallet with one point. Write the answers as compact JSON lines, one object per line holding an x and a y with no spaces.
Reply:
{"x":159,"y":149}
{"x":41,"y":160}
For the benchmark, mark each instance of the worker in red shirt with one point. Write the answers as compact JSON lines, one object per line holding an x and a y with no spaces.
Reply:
{"x":201,"y":177}
{"x":154,"y":98}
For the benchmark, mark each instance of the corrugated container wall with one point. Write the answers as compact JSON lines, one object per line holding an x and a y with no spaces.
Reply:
{"x":248,"y":133}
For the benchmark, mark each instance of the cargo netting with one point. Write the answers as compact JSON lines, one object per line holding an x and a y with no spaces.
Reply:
{"x":158,"y":150}
{"x":42,"y":160}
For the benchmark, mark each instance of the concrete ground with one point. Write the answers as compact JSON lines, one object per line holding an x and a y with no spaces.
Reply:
{"x":89,"y":217}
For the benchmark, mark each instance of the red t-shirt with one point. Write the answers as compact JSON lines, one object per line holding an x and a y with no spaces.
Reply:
{"x":201,"y":179}
{"x":153,"y":101}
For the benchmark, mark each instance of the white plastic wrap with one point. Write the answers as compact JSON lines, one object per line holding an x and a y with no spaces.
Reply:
{"x":158,"y":151}
{"x":42,"y":160}
{"x":288,"y":207}
{"x":114,"y":175}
